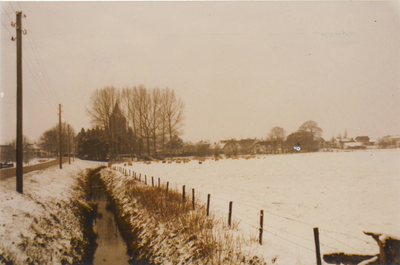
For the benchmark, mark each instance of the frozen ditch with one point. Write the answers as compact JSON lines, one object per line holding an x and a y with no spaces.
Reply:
{"x":111,"y":247}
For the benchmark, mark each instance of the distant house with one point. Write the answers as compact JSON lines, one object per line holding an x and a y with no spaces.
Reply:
{"x":37,"y":151}
{"x":6,"y":153}
{"x":202,"y":148}
{"x":363,"y":139}
{"x":340,"y":142}
{"x":188,"y":149}
{"x":262,"y":147}
{"x":390,"y":141}
{"x":242,"y":147}
{"x":231,"y":147}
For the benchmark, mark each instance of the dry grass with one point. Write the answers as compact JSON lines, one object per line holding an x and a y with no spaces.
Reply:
{"x":215,"y":241}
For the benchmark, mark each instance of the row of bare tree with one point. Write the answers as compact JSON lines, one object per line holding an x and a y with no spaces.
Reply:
{"x":154,"y":116}
{"x":49,"y":141}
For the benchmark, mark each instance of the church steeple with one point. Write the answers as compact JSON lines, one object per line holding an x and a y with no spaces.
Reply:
{"x":116,"y":109}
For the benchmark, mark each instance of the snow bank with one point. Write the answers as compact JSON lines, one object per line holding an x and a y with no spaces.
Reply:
{"x":343,"y":194}
{"x":41,"y":225}
{"x":154,"y":240}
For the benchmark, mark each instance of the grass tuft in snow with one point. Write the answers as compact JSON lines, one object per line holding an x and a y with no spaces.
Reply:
{"x":159,"y":227}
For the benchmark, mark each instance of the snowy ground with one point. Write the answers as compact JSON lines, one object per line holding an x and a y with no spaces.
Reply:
{"x":343,"y":194}
{"x":40,"y":222}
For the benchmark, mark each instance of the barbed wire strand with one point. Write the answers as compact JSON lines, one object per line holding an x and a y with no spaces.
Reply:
{"x":360,"y":251}
{"x":289,"y":240}
{"x":340,"y":233}
{"x":221,"y":211}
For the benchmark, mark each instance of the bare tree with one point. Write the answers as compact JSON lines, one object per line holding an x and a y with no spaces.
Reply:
{"x":277,"y":135}
{"x":101,"y":106}
{"x":143,"y":105}
{"x":128,"y":96}
{"x":49,"y":140}
{"x":173,"y":113}
{"x":312,"y":128}
{"x":11,"y":151}
{"x":155,"y":116}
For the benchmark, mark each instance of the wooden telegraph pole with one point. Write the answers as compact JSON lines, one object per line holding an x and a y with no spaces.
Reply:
{"x":20,"y":151}
{"x":69,"y":149}
{"x":60,"y":125}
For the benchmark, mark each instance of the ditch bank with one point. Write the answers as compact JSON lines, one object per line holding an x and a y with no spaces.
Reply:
{"x":51,"y":223}
{"x":161,"y":229}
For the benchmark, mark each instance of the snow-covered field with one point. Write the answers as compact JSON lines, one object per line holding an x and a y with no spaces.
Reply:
{"x":40,"y":222}
{"x":343,"y":194}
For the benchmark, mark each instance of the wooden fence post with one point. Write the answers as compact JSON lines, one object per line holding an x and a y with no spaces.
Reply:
{"x":159,"y":182}
{"x":261,"y":225}
{"x":208,"y":204}
{"x":193,"y":199}
{"x":167,"y":186}
{"x":183,"y":193}
{"x":230,"y":214}
{"x":317,"y":251}
{"x":140,"y":176}
{"x":145,"y":179}
{"x":152,"y":181}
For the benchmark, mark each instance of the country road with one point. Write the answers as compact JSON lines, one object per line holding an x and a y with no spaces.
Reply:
{"x":10,"y":172}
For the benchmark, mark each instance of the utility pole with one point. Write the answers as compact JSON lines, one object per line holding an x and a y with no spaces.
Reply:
{"x":20,"y":151}
{"x":60,"y":125}
{"x":69,"y":149}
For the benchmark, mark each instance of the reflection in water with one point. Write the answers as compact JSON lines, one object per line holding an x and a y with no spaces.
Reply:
{"x":111,"y":247}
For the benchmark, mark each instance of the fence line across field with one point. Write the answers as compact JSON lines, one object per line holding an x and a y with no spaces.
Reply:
{"x":232,"y":213}
{"x":342,"y":242}
{"x":365,"y":241}
{"x":230,"y":216}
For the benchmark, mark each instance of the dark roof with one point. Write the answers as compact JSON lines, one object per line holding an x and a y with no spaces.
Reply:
{"x":362,"y":138}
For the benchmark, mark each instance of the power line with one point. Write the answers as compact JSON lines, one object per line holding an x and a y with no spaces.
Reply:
{"x":7,"y":29}
{"x":40,"y":64}
{"x":42,"y":68}
{"x":30,"y":70}
{"x":19,"y":6}
{"x":12,"y":7}
{"x":43,"y":82}
{"x":5,"y":12}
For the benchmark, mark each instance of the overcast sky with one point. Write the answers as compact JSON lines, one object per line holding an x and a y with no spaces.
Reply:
{"x":241,"y":68}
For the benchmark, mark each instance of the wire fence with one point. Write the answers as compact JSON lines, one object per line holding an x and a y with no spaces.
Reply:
{"x":287,"y":236}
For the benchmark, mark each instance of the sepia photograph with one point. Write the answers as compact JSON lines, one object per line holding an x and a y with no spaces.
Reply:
{"x":200,"y":132}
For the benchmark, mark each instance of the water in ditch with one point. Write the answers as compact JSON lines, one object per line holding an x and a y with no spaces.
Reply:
{"x":111,"y":246}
